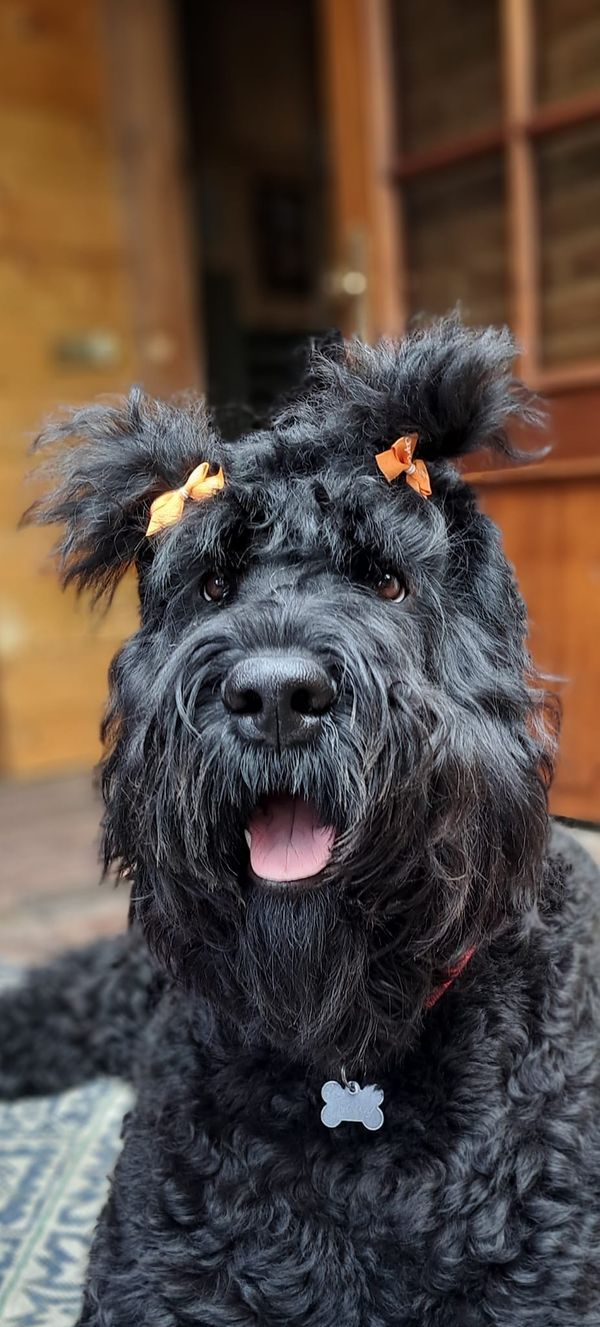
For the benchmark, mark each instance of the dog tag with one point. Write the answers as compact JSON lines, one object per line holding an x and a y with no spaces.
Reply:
{"x":352,"y":1103}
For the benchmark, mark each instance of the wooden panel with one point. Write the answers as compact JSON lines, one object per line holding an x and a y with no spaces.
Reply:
{"x":58,"y":192}
{"x":568,"y":48}
{"x":35,"y":708}
{"x":46,"y":302}
{"x":574,"y":420}
{"x":150,"y":170}
{"x":457,"y":243}
{"x":45,"y":56}
{"x":66,"y":275}
{"x":29,"y":597}
{"x":447,"y":69}
{"x":569,"y":206}
{"x":62,"y":275}
{"x":550,"y":533}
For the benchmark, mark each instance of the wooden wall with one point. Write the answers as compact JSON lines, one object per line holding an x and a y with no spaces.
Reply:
{"x":63,"y":276}
{"x":549,"y":526}
{"x":75,"y":322}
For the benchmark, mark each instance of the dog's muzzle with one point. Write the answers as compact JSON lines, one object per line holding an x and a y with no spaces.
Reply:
{"x":278,"y":698}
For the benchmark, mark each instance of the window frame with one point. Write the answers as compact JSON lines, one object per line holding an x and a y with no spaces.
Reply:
{"x":524,"y":123}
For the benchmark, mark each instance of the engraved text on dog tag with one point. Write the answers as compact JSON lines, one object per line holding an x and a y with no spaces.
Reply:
{"x":350,"y":1102}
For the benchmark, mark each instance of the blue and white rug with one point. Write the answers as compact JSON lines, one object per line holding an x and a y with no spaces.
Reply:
{"x":56,"y":1154}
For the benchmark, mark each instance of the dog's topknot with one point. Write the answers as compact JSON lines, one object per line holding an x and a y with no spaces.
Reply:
{"x":114,"y":459}
{"x":453,"y":385}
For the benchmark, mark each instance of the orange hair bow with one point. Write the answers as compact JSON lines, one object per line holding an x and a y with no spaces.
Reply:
{"x":398,"y":460}
{"x":167,"y":509}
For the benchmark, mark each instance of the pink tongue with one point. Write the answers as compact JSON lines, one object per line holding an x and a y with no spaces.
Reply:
{"x":287,"y":841}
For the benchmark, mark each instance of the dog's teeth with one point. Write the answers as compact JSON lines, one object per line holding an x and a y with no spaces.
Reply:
{"x":248,"y":837}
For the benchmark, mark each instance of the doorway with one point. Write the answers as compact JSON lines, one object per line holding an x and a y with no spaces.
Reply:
{"x":255,"y":165}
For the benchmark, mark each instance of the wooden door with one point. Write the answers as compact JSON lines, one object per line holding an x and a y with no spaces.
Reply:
{"x":94,"y":293}
{"x":465,"y":167}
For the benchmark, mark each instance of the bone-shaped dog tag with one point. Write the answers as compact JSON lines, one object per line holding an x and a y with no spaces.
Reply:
{"x":350,"y":1102}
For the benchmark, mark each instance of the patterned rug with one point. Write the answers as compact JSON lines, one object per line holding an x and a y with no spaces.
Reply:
{"x":55,"y":1157}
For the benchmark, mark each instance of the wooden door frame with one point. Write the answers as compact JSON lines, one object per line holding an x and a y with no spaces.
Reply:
{"x":149,"y":139}
{"x":354,"y":47}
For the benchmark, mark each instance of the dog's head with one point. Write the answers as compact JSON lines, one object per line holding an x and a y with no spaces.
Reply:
{"x":325,"y":766}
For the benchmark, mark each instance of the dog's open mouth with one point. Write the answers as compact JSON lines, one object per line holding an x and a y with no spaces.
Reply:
{"x":287,"y":841}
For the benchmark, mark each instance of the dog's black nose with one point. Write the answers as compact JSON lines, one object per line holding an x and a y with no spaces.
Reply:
{"x":278,"y":698}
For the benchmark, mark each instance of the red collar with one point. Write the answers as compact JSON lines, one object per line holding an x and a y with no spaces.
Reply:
{"x":453,"y":973}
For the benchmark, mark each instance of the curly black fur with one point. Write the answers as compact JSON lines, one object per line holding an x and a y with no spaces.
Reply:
{"x":479,"y":1201}
{"x":79,"y":1017}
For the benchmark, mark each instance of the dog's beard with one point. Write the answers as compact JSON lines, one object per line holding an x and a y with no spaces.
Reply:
{"x":339,"y":973}
{"x":321,"y":981}
{"x":440,"y":815}
{"x":307,"y":972}
{"x":293,"y":963}
{"x":301,"y":967}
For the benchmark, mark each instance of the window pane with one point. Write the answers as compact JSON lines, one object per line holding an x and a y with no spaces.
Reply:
{"x":447,"y":69}
{"x":568,"y":48}
{"x":457,"y":243}
{"x":569,"y":207}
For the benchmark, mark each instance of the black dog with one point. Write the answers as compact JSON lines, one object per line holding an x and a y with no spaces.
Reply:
{"x":331,"y":666}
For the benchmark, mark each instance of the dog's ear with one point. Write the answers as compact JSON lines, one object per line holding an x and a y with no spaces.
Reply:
{"x":453,"y":385}
{"x":107,"y":464}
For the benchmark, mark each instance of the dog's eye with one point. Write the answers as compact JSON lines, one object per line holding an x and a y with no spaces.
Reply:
{"x":389,"y":586}
{"x":216,"y":587}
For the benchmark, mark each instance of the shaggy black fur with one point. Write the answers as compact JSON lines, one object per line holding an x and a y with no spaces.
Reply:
{"x":479,"y":1200}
